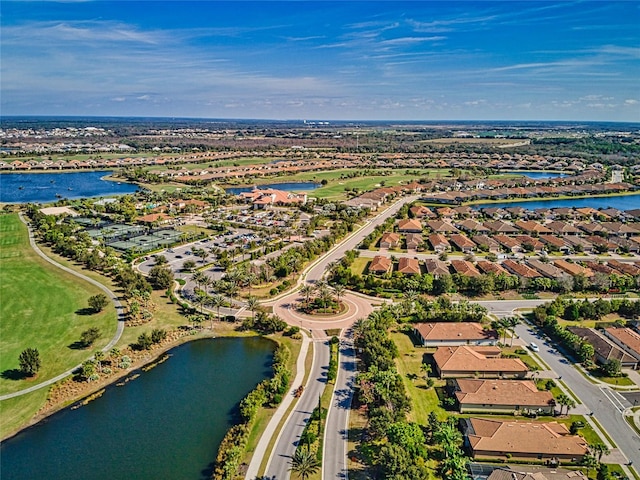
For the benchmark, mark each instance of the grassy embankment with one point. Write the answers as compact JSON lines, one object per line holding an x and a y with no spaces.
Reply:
{"x":42,"y":307}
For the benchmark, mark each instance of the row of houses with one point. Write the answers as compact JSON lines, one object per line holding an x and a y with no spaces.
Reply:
{"x":530,"y":268}
{"x":482,"y":381}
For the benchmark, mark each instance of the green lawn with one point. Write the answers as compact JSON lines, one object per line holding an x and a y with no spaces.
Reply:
{"x":359,"y":265}
{"x":423,"y":400}
{"x":41,"y":307}
{"x":16,"y":412}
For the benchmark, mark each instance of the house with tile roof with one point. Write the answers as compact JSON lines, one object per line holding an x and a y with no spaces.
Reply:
{"x":435,"y":334}
{"x":462,"y":243}
{"x":409,"y":266}
{"x":522,"y":440}
{"x":476,"y":361}
{"x":410,"y":225}
{"x":439,"y":242}
{"x":380,"y":265}
{"x":436,"y":267}
{"x":390,"y":240}
{"x":625,"y":338}
{"x":520,"y":269}
{"x":486,"y":266}
{"x":462,"y":267}
{"x":604,"y":348}
{"x":414,"y":240}
{"x":500,"y":396}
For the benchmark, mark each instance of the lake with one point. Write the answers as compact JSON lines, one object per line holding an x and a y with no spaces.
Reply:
{"x":621,"y":202}
{"x":167,"y":423}
{"x":50,"y":187}
{"x":285,"y":187}
{"x":535,"y":175}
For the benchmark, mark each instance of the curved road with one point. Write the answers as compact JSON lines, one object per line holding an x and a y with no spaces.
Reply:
{"x":109,"y":293}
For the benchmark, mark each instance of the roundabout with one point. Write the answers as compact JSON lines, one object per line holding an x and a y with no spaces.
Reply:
{"x":355,"y":307}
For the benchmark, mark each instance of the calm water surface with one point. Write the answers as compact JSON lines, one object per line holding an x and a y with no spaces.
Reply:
{"x":536,"y":175}
{"x":285,"y":187}
{"x":621,"y":202}
{"x":49,"y":187}
{"x":166,"y":424}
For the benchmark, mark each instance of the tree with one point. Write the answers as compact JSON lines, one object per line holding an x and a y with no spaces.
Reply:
{"x":160,"y":277}
{"x":612,"y":368}
{"x":98,"y":302}
{"x":145,"y":341}
{"x":339,"y":291}
{"x":426,"y":369}
{"x":565,"y":401}
{"x":30,"y":361}
{"x":599,"y":450}
{"x":306,"y":291}
{"x":217,"y":301}
{"x":252,"y":304}
{"x":99,"y":357}
{"x":89,"y":336}
{"x":304,"y":463}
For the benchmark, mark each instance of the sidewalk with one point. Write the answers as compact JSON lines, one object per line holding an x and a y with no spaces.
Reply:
{"x":281,"y":411}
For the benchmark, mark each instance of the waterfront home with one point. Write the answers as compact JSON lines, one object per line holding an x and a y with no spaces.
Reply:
{"x":476,"y":361}
{"x":500,"y":396}
{"x":435,"y":334}
{"x":420,"y":211}
{"x":522,"y":440}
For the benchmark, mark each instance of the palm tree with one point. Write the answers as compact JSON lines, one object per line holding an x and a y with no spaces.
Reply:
{"x":304,"y":463}
{"x":339,"y":291}
{"x":99,"y":356}
{"x":306,"y":291}
{"x":598,"y":450}
{"x":217,"y":301}
{"x":197,"y":278}
{"x":426,"y":369}
{"x":252,"y":304}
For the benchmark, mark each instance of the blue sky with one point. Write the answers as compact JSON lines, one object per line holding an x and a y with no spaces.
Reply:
{"x":348,"y":60}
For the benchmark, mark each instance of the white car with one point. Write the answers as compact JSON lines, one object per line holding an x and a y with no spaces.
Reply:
{"x":534,"y":347}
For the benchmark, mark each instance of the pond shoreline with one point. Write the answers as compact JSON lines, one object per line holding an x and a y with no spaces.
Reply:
{"x":136,"y":368}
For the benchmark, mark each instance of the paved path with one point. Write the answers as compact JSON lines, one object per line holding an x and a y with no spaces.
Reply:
{"x":263,"y":443}
{"x":109,"y":293}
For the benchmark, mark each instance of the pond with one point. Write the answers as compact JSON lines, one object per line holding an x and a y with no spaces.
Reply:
{"x":535,"y":175}
{"x":285,"y":187}
{"x":167,"y":423}
{"x":621,"y":202}
{"x":50,"y":187}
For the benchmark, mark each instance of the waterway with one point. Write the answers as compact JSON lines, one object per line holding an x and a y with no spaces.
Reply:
{"x":50,"y":187}
{"x":285,"y":187}
{"x":167,"y":423}
{"x":621,"y":202}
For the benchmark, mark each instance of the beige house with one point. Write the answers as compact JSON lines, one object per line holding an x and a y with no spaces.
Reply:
{"x":477,"y":361}
{"x":500,"y":396}
{"x":437,"y":334}
{"x":522,"y":440}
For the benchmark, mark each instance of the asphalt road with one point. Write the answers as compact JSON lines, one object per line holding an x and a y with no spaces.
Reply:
{"x":286,"y":443}
{"x":606,"y":404}
{"x":334,"y":459}
{"x":318,"y":269}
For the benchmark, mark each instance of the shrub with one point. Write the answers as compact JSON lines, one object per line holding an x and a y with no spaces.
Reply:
{"x":30,"y":361}
{"x":158,"y":335}
{"x":89,"y":336}
{"x":98,"y":302}
{"x":144,"y":341}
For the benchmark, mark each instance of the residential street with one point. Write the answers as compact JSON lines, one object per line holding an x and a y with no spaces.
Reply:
{"x":287,"y":441}
{"x":337,"y":427}
{"x":606,"y":404}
